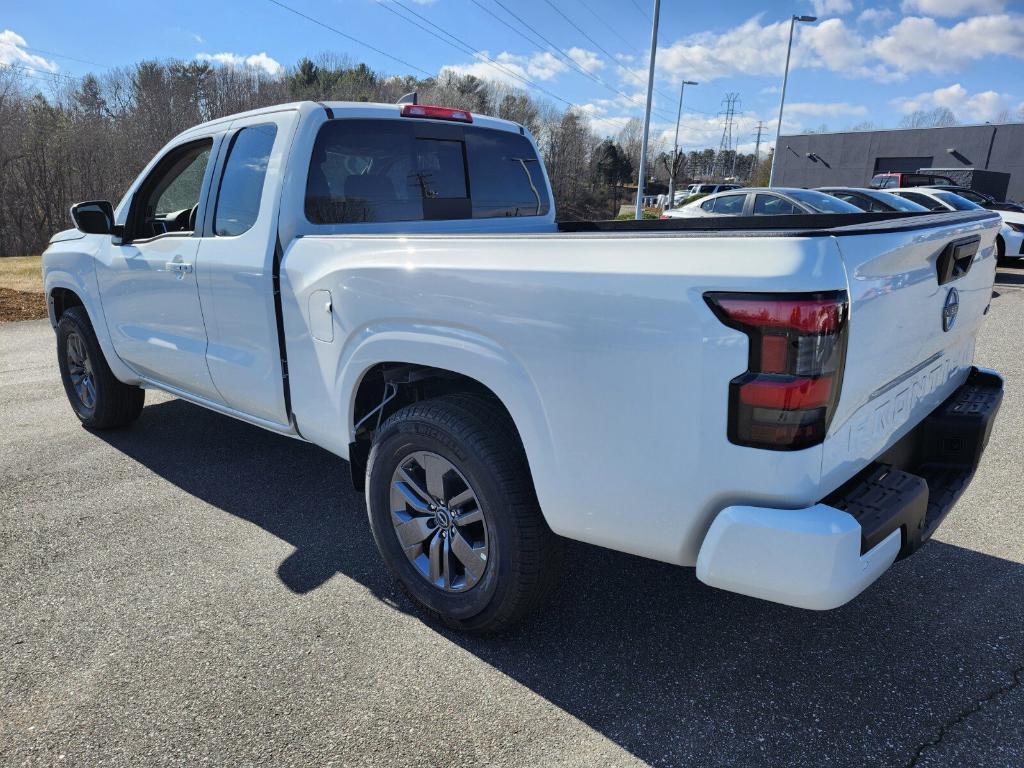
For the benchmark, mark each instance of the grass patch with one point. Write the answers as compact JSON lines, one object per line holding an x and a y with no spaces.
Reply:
{"x":21,"y":273}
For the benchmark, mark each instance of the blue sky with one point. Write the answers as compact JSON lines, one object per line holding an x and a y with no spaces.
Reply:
{"x":864,"y":60}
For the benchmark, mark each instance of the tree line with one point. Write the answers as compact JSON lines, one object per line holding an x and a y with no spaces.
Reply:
{"x":67,"y":139}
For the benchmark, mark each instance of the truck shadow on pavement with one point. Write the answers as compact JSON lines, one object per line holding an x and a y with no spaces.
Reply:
{"x":642,"y":652}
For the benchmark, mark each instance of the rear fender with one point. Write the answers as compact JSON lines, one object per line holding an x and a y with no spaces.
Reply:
{"x":452,"y":349}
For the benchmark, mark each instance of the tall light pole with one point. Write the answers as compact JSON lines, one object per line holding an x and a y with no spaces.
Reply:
{"x":647,"y":114}
{"x":675,"y":150}
{"x":785,"y":79}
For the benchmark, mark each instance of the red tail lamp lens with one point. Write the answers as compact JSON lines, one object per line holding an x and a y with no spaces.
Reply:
{"x":786,"y":398}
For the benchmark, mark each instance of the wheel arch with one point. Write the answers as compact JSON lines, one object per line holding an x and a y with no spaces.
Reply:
{"x":430,"y":364}
{"x":66,"y":288}
{"x":61,"y":299}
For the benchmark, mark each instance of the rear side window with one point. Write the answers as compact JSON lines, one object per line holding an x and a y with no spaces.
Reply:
{"x":957,"y":202}
{"x":770,"y":205}
{"x":505,"y":175}
{"x":864,"y":203}
{"x":392,"y":170}
{"x":241,"y":187}
{"x":730,"y":204}
{"x":927,"y":202}
{"x":820,"y":202}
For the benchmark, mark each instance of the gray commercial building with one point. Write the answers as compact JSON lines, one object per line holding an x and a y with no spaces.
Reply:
{"x":852,"y":158}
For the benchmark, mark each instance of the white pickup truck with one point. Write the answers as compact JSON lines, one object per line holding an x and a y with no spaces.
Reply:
{"x":787,"y":403}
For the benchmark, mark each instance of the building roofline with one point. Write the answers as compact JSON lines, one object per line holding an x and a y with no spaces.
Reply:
{"x":894,"y":130}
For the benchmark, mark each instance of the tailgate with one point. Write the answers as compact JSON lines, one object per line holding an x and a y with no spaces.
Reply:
{"x":911,"y":329}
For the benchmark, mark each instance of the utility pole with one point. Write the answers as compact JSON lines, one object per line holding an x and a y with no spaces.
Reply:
{"x":785,"y":79}
{"x":675,"y":151}
{"x":647,"y":113}
{"x":757,"y":148}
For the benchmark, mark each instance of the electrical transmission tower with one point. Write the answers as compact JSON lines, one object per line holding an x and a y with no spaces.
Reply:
{"x":726,"y":144}
{"x":757,"y":149}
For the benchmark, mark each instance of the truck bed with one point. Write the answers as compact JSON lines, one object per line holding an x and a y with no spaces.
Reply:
{"x":597,"y":338}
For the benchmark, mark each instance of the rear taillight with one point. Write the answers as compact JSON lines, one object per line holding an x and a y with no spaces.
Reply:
{"x":436,"y":113}
{"x":787,"y":396}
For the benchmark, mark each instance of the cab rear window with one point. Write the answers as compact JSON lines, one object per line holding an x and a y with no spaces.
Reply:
{"x":391,"y":170}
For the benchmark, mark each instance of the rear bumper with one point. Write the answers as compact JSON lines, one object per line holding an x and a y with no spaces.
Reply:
{"x":824,"y":555}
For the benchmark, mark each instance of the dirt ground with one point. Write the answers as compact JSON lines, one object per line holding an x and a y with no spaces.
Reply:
{"x":21,"y":289}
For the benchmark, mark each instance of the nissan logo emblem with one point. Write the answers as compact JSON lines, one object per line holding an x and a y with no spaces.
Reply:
{"x":950,"y":308}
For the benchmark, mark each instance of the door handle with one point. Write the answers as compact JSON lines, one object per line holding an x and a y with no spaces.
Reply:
{"x":179,"y":268}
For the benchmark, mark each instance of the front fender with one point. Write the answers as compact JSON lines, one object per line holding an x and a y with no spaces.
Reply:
{"x":68,"y":265}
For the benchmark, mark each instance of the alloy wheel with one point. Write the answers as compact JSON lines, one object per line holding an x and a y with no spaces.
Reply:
{"x":80,"y":371}
{"x":439,"y":522}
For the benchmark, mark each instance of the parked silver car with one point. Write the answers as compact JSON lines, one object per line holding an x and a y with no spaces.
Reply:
{"x":763,"y":201}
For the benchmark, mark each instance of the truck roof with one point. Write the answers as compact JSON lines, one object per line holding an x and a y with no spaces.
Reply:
{"x":354,"y":109}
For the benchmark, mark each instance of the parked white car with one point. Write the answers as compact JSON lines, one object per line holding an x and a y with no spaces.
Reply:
{"x":782,"y":411}
{"x":1009,"y":242}
{"x":762,"y":201}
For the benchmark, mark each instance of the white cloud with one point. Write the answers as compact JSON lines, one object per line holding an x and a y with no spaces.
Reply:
{"x":12,"y":52}
{"x":586,"y":60}
{"x":831,"y":7}
{"x":876,"y":16}
{"x":511,"y":67}
{"x":916,"y":44}
{"x":968,"y":107}
{"x":825,"y":108}
{"x":912,"y":45}
{"x":752,"y":48}
{"x":755,"y":48}
{"x":952,"y":7}
{"x":256,"y":60}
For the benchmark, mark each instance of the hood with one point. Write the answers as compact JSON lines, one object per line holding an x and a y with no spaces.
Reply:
{"x":67,"y":234}
{"x":1012,"y":216}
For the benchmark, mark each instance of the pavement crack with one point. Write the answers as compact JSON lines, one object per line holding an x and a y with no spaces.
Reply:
{"x":1016,"y":678}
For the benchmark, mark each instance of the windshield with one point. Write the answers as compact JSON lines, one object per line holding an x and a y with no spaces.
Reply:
{"x":971,"y":195}
{"x":957,"y":202}
{"x":821,"y":202}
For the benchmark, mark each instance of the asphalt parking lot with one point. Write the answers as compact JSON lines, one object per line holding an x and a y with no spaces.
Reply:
{"x":193,"y":590}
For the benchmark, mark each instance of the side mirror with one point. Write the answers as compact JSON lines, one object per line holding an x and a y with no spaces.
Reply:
{"x":95,"y":217}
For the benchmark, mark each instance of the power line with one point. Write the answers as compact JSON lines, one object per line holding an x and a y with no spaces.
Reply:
{"x":636,"y":5}
{"x":41,"y":74}
{"x":62,"y":56}
{"x":612,"y":29}
{"x":565,"y":55}
{"x":552,"y":47}
{"x":611,"y":56}
{"x":355,"y":40}
{"x":467,"y":48}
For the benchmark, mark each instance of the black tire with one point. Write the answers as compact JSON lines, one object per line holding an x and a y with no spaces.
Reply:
{"x":476,"y":436}
{"x":111,"y":403}
{"x":1000,"y":250}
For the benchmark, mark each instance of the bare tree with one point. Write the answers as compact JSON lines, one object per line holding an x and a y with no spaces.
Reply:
{"x":940,"y":117}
